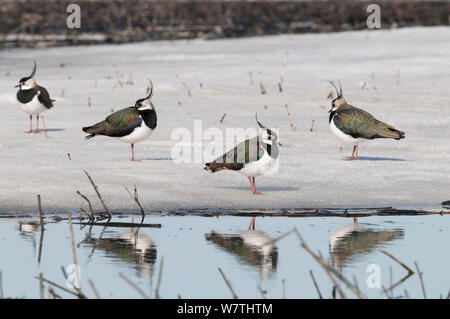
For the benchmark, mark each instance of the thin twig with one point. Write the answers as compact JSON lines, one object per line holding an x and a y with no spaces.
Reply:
{"x":136,"y":199}
{"x":1,"y":286}
{"x":62,"y":288}
{"x":263,"y":295}
{"x":94,"y":289}
{"x":161,"y":263}
{"x":132,"y":284}
{"x":185,"y":85}
{"x":228,"y":284}
{"x":289,"y":118}
{"x":98,"y":194}
{"x":328,"y":267}
{"x":397,"y":261}
{"x":41,"y":222}
{"x":421,"y":280}
{"x":41,"y":286}
{"x":315,"y":284}
{"x":261,"y":86}
{"x":72,"y":238}
{"x":91,"y":210}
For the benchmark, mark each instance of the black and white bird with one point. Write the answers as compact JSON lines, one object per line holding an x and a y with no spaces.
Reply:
{"x":131,"y":125}
{"x":32,"y":98}
{"x":253,"y":157}
{"x":354,"y":125}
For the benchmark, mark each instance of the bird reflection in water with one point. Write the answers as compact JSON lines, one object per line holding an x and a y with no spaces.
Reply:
{"x":352,"y":241}
{"x":252,"y":247}
{"x":132,"y":247}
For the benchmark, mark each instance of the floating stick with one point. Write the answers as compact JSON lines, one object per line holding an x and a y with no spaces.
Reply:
{"x":184,"y":84}
{"x":223,"y":117}
{"x":289,"y":118}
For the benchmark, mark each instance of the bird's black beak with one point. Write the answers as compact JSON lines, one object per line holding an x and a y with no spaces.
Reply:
{"x":330,"y":110}
{"x":16,"y":86}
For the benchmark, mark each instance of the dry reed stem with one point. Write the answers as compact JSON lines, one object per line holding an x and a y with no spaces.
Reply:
{"x":74,"y":254}
{"x":161,"y":264}
{"x":89,"y":101}
{"x":98,"y":194}
{"x":91,"y":283}
{"x":251,"y":77}
{"x":397,"y":261}
{"x":132,"y":284}
{"x":91,"y":210}
{"x":184,"y":84}
{"x":421,"y":280}
{"x":223,"y":117}
{"x":41,"y":222}
{"x":1,"y":287}
{"x":79,"y":295}
{"x":291,"y":125}
{"x":228,"y":284}
{"x":315,"y":284}
{"x":261,"y":86}
{"x":263,"y":295}
{"x":136,"y":199}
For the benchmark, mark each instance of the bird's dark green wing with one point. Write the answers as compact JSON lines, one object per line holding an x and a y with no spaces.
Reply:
{"x":245,"y":152}
{"x":123,"y":122}
{"x":361,"y":124}
{"x":44,"y":97}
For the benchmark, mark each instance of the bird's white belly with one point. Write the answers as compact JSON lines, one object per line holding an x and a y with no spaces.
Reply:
{"x":33,"y":107}
{"x":138,"y":135}
{"x":345,"y":137}
{"x":260,"y":167}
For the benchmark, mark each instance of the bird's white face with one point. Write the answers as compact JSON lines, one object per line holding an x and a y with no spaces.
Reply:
{"x":269,"y":137}
{"x":26,"y":84}
{"x":145,"y":105}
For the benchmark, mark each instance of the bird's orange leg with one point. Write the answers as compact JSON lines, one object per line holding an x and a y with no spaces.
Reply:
{"x":132,"y":152}
{"x":254,"y":186}
{"x":355,"y":147}
{"x":356,"y":152}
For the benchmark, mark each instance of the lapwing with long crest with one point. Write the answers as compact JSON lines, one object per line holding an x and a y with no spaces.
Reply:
{"x":354,"y":125}
{"x":253,"y":157}
{"x":131,"y":125}
{"x":33,"y":98}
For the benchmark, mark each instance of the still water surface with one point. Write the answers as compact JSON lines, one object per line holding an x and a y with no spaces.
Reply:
{"x":195,"y":247}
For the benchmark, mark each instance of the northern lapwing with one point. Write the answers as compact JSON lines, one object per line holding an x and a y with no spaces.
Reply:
{"x":354,"y":125}
{"x":131,"y":125}
{"x":32,"y":98}
{"x":253,"y":157}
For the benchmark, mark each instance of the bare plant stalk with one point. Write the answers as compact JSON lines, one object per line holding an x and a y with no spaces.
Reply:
{"x":68,"y":155}
{"x":315,"y":284}
{"x":291,"y":125}
{"x":185,"y":85}
{"x":79,"y":295}
{"x":421,"y":280}
{"x":328,"y":267}
{"x":283,"y":282}
{"x":397,"y":261}
{"x":312,"y":126}
{"x":92,"y":214}
{"x":251,"y":77}
{"x":41,"y":286}
{"x":98,"y":194}
{"x":283,"y":72}
{"x":223,"y":117}
{"x":132,"y":284}
{"x":72,"y":238}
{"x":1,"y":287}
{"x":41,"y":222}
{"x":261,"y":86}
{"x":161,"y":263}
{"x":94,"y":289}
{"x":228,"y":284}
{"x":136,"y":199}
